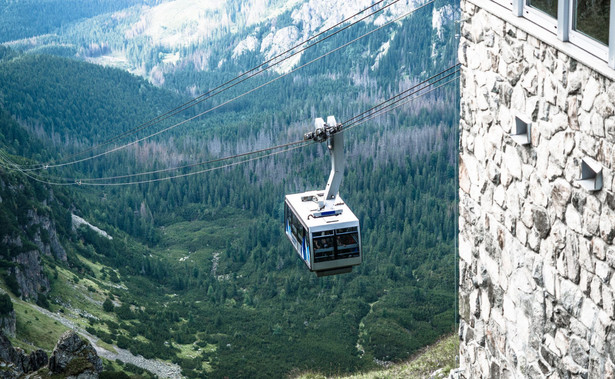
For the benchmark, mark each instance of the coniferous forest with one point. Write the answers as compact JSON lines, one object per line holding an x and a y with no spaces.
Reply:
{"x":199,"y":271}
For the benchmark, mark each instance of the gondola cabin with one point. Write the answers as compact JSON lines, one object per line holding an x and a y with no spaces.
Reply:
{"x":327,"y":240}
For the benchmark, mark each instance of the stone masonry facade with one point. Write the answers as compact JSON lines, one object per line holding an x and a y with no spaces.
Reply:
{"x":537,"y":261}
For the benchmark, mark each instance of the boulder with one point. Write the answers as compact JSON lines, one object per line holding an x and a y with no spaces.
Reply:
{"x":74,"y":357}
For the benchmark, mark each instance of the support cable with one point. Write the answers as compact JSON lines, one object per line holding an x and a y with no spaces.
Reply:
{"x":367,"y":115}
{"x":79,"y":182}
{"x":402,"y":93}
{"x":404,"y":99}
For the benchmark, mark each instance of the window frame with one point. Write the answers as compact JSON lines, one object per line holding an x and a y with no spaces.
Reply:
{"x":541,"y":18}
{"x":508,"y":4}
{"x":562,"y":27}
{"x":583,"y":41}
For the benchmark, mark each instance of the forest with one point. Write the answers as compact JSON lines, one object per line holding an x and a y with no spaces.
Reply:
{"x":199,"y":271}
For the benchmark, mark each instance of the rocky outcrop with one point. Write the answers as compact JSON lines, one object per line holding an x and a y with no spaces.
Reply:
{"x":29,"y":274}
{"x":537,"y":260}
{"x":46,"y":237}
{"x":8,"y":323}
{"x":16,"y":363}
{"x":75,"y":357}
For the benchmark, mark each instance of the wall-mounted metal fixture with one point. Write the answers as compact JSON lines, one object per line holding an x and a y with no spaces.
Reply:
{"x":591,"y":175}
{"x":522,"y":131}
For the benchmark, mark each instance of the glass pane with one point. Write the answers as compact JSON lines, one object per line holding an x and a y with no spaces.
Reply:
{"x":323,"y":244}
{"x":323,"y":249}
{"x":591,"y":17}
{"x":547,"y":6}
{"x":347,"y":245}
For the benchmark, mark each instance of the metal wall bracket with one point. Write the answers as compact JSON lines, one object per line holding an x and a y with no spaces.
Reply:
{"x":522,"y":131}
{"x":591,"y":175}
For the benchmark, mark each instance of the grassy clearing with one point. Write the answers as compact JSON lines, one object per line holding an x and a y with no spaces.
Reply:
{"x":439,"y":356}
{"x":36,"y":328}
{"x":187,"y":351}
{"x":106,"y":346}
{"x":83,"y":294}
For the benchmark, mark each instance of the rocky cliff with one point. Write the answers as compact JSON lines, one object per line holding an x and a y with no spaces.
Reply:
{"x":15,"y":362}
{"x":29,"y":230}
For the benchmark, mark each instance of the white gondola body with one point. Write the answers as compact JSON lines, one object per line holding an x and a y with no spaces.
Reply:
{"x":329,"y":244}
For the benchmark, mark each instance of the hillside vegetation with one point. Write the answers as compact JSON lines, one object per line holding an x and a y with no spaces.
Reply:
{"x":434,"y":361}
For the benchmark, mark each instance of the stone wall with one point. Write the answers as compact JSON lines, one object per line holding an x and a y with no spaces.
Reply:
{"x":536,"y":250}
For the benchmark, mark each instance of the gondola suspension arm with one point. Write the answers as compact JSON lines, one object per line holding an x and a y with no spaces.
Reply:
{"x":330,"y":132}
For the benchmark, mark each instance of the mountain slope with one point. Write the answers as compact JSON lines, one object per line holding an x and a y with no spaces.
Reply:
{"x":157,"y":41}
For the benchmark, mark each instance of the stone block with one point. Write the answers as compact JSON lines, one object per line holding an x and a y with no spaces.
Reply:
{"x":561,"y":342}
{"x":569,"y":296}
{"x":607,"y":225}
{"x":579,"y":351}
{"x":541,"y":221}
{"x":573,"y":219}
{"x":554,"y":171}
{"x":575,"y":81}
{"x":550,"y":90}
{"x":537,"y":193}
{"x":511,"y":165}
{"x":571,"y":367}
{"x":599,"y":248}
{"x":610,"y":256}
{"x":474,"y":303}
{"x":603,"y":106}
{"x":522,"y":233}
{"x":573,"y":113}
{"x":467,"y":174}
{"x":542,"y":159}
{"x":596,"y":291}
{"x":562,"y":142}
{"x":586,"y":258}
{"x":609,"y":127}
{"x":591,"y":222}
{"x":499,"y":196}
{"x":571,"y":256}
{"x":597,"y":125}
{"x":549,"y":275}
{"x":530,"y":82}
{"x":603,"y":271}
{"x":534,"y":240}
{"x":485,"y":306}
{"x":518,"y":97}
{"x":465,"y":248}
{"x":561,"y":192}
{"x":532,"y":106}
{"x":589,"y":313}
{"x":608,"y":303}
{"x":588,"y":144}
{"x":591,"y":89}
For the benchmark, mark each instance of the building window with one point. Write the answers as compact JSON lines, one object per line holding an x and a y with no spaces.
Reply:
{"x":584,"y":23}
{"x":542,"y":12}
{"x":591,"y":18}
{"x":547,"y":6}
{"x":589,"y":26}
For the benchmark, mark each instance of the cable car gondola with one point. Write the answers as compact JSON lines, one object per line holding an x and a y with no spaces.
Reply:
{"x":322,"y":228}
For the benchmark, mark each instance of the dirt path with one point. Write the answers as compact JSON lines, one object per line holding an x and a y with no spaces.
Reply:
{"x":162,"y":369}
